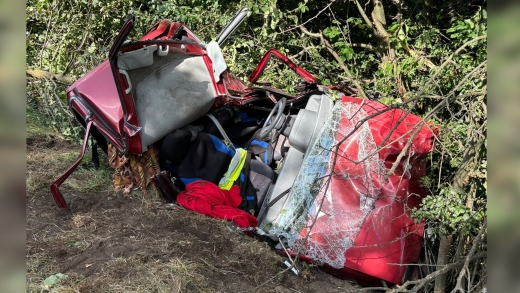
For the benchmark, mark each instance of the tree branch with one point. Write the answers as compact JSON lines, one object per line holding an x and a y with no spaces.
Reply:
{"x":307,"y":21}
{"x":338,"y":59}
{"x":448,"y":60}
{"x":38,"y":73}
{"x":476,"y":241}
{"x":380,"y":29}
{"x":363,"y":14}
{"x":421,"y":282}
{"x":303,"y":51}
{"x":364,"y":46}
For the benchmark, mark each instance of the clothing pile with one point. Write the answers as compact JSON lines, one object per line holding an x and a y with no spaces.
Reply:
{"x":207,"y":198}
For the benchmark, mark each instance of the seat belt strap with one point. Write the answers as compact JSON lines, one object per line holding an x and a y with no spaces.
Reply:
{"x":224,"y":135}
{"x":245,"y":171}
{"x":264,"y":210}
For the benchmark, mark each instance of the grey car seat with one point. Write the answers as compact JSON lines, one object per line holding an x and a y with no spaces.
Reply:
{"x":304,"y":132}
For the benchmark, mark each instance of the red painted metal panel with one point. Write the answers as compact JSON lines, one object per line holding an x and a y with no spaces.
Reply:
{"x":259,"y":70}
{"x":58,"y":197}
{"x":99,"y":90}
{"x":386,"y":239}
{"x":160,"y":28}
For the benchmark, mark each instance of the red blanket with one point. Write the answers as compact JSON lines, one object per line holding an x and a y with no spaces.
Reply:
{"x":207,"y":198}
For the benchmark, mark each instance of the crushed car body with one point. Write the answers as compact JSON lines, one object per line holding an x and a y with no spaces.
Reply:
{"x":329,"y":178}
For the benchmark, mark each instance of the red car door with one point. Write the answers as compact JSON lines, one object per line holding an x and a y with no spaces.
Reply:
{"x":130,"y":123}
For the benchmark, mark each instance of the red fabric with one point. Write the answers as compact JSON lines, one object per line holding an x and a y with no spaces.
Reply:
{"x":206,"y":198}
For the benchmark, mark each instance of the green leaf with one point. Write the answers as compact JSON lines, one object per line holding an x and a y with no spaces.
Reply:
{"x":393,"y":27}
{"x":331,"y":32}
{"x":348,"y":52}
{"x":340,"y":44}
{"x":53,"y":280}
{"x":401,"y":35}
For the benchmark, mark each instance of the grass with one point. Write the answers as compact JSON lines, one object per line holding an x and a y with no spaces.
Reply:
{"x":45,"y":164}
{"x":91,"y":179}
{"x":47,"y":157}
{"x":172,"y":276}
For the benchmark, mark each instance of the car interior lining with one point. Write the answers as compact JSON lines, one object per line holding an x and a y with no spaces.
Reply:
{"x":172,"y":92}
{"x":137,"y":58}
{"x":217,"y":59}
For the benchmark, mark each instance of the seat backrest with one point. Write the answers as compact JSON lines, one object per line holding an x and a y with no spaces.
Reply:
{"x":262,"y":177}
{"x":306,"y":128}
{"x":174,"y":91}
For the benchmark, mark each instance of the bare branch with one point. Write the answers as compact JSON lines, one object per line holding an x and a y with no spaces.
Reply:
{"x":421,"y":282}
{"x":364,"y":46}
{"x":448,"y":60}
{"x":38,"y":73}
{"x":442,"y":104}
{"x":338,"y":59}
{"x":418,"y":127}
{"x":303,"y":51}
{"x":364,"y":15}
{"x":400,"y":5}
{"x":308,"y":20}
{"x":476,"y":241}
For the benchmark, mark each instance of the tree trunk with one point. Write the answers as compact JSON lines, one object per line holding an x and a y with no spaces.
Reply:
{"x":442,"y":260}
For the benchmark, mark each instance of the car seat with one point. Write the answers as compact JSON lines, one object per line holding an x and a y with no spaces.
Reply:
{"x":303,"y":133}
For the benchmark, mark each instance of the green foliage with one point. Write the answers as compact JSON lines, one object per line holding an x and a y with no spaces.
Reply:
{"x":449,"y":208}
{"x":47,"y":108}
{"x":467,"y":29}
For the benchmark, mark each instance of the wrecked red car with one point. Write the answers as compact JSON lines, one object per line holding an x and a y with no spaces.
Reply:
{"x":319,"y":175}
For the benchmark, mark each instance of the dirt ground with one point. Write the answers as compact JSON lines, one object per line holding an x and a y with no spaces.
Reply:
{"x":106,"y":242}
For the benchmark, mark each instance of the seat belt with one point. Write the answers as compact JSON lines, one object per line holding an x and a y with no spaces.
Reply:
{"x":221,"y":129}
{"x":263,"y":211}
{"x":247,"y":164}
{"x":245,"y":170}
{"x":248,"y":204}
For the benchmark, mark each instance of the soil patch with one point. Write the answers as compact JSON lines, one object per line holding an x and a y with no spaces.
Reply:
{"x":107,"y":242}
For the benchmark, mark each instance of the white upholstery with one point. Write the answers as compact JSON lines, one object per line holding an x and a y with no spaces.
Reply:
{"x":215,"y":54}
{"x":175,"y":91}
{"x":136,"y":59}
{"x":303,"y":134}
